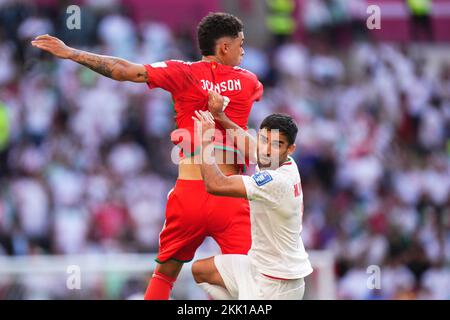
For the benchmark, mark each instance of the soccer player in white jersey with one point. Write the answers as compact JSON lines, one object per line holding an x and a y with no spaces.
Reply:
{"x":277,"y":262}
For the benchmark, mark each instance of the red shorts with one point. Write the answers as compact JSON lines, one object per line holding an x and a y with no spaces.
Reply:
{"x":192,"y":214}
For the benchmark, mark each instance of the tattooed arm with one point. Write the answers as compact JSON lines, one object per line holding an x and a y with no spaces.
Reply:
{"x":111,"y":67}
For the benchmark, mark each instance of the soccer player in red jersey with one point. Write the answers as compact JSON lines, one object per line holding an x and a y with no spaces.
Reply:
{"x":191,"y":213}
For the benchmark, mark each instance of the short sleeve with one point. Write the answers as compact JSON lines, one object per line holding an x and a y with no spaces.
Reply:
{"x":259,"y":90}
{"x":169,"y":75}
{"x":266,"y":186}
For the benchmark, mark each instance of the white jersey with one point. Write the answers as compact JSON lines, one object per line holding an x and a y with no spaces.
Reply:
{"x":276,"y":211}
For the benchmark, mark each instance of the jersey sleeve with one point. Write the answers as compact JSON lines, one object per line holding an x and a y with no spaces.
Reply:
{"x":169,"y":75}
{"x":259,"y":90}
{"x":266,"y":186}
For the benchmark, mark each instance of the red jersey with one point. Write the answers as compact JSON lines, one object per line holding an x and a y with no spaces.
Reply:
{"x":189,"y":82}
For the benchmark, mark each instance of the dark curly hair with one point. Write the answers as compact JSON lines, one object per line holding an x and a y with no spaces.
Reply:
{"x":282,"y":122}
{"x":215,"y":26}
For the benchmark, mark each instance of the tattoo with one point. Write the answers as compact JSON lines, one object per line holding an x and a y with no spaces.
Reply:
{"x":101,"y":64}
{"x":143,"y":76}
{"x":111,"y":67}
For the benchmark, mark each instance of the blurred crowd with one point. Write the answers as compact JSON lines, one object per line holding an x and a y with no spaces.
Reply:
{"x":85,"y":161}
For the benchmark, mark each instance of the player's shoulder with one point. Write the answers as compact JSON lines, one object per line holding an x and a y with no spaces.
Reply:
{"x":269,"y":178}
{"x":179,"y":63}
{"x":170,"y":63}
{"x":264,"y":177}
{"x":188,"y":63}
{"x":288,"y":168}
{"x":245,"y":73}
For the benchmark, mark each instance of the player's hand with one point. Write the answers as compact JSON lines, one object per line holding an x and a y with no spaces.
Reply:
{"x":217,"y":103}
{"x":205,"y":125}
{"x":52,"y":45}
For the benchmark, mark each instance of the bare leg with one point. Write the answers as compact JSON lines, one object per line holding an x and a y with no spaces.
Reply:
{"x":209,"y":279}
{"x":171,"y":268}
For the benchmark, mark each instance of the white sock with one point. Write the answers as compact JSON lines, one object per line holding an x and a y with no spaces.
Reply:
{"x":216,"y":292}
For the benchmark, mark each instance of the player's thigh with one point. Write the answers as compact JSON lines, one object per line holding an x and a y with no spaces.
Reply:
{"x":235,"y":272}
{"x":229,"y":224}
{"x":273,"y":289}
{"x":291,"y":290}
{"x":186,"y":204}
{"x":184,"y":229}
{"x":205,"y":270}
{"x":260,"y":287}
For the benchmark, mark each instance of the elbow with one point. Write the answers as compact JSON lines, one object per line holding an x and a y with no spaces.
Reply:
{"x":120,"y":72}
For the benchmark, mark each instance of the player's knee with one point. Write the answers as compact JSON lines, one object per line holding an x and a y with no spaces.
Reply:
{"x":198,"y":272}
{"x":170,"y":268}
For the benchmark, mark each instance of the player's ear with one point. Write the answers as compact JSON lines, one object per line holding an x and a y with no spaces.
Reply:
{"x":222,"y":47}
{"x":292,"y":148}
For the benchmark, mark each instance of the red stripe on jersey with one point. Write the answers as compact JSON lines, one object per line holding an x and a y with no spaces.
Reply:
{"x":296,"y":190}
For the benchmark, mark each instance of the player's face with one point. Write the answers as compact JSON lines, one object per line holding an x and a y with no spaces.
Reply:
{"x":234,"y":50}
{"x":273,"y":149}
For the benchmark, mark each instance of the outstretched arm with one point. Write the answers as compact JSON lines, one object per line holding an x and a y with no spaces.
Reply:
{"x":246,"y":143}
{"x":111,"y":67}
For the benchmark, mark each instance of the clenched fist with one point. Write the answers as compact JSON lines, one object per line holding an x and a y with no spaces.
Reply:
{"x":217,"y":103}
{"x":52,"y":45}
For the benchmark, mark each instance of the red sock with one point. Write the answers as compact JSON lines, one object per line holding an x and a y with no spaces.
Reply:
{"x":159,"y":287}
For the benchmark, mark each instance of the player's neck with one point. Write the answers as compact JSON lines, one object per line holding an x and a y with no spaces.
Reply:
{"x":284,"y":161}
{"x":213,"y":59}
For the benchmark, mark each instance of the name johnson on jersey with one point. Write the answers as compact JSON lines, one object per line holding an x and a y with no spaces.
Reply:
{"x":229,"y":85}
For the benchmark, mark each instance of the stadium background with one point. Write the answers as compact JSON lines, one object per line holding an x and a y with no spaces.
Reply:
{"x":85,"y":161}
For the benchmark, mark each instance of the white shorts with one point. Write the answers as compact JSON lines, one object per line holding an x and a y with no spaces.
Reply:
{"x":245,"y":283}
